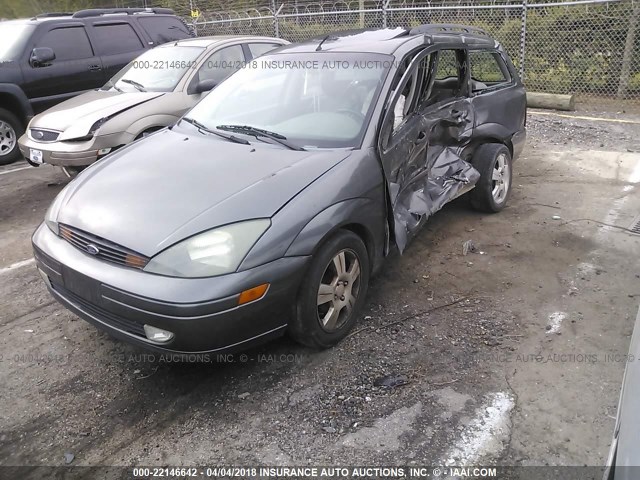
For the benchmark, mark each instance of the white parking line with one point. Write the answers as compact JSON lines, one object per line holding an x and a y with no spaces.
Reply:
{"x":15,"y":170}
{"x":23,"y":263}
{"x":555,"y":321}
{"x":487,"y":433}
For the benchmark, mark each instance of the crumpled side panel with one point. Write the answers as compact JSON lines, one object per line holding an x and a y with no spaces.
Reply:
{"x":425,"y":196}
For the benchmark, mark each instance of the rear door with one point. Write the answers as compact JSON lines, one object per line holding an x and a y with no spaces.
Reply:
{"x":117,"y":43}
{"x":75,"y":69}
{"x":497,"y":97}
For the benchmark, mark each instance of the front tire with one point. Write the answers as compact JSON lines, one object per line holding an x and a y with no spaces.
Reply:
{"x":332,"y":293}
{"x":10,"y":130}
{"x":491,"y":193}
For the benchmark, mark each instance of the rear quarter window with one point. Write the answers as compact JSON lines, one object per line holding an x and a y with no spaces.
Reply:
{"x":164,"y":29}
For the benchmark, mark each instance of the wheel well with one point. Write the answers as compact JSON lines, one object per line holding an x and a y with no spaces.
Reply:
{"x":148,"y":130}
{"x":365,"y":236}
{"x":469,"y":150}
{"x":11,"y":103}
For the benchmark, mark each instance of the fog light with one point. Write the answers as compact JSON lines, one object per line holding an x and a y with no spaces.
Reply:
{"x":103,"y":151}
{"x":157,"y":335}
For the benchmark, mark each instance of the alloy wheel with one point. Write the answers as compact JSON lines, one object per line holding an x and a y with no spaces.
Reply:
{"x":338,"y":290}
{"x":501,"y":177}
{"x":7,"y":138}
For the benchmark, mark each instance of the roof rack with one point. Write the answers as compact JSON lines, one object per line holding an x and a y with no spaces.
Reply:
{"x":97,"y":12}
{"x":435,"y":28}
{"x":54,"y":14}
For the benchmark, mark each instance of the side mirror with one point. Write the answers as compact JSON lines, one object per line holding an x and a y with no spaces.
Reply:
{"x":41,"y":56}
{"x":205,"y":86}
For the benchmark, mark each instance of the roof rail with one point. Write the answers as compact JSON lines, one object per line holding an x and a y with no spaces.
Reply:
{"x":54,"y":14}
{"x":434,"y":28}
{"x":97,"y":12}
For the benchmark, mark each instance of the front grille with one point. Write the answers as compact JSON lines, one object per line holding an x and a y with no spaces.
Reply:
{"x":40,"y":135}
{"x":100,"y":313}
{"x":101,"y":248}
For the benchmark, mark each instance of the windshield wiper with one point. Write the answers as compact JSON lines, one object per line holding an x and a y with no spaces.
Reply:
{"x":203,"y":128}
{"x":259,"y":132}
{"x":138,"y":86}
{"x":110,"y":84}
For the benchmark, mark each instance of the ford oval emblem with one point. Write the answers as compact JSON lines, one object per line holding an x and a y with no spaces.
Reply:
{"x":92,"y":249}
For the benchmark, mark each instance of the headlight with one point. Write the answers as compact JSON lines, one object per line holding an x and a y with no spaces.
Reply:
{"x":211,"y":253}
{"x":51,"y":217}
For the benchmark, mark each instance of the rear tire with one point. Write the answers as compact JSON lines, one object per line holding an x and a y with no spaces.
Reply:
{"x":11,"y":130}
{"x":332,"y":293}
{"x":491,"y":193}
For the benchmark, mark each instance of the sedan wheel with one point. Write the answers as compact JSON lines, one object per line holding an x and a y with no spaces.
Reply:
{"x":332,"y":293}
{"x":338,"y":290}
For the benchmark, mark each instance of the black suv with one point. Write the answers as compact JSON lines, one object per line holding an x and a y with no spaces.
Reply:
{"x":54,"y":56}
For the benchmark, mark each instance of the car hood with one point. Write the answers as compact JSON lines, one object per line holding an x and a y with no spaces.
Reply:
{"x":178,"y":182}
{"x":74,"y":117}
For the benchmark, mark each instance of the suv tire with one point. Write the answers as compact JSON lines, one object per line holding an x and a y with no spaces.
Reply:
{"x":10,"y":130}
{"x":341,"y":259}
{"x":491,"y":193}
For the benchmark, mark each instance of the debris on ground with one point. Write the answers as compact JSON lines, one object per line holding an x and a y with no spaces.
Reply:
{"x":469,"y":247}
{"x":244,"y":395}
{"x":68,"y":457}
{"x":391,"y":381}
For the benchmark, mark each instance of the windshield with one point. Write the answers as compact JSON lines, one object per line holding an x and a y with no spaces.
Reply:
{"x":14,"y":36}
{"x":319,"y":99}
{"x":157,"y":70}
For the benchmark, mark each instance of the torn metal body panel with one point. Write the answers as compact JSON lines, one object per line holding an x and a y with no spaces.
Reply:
{"x":428,"y":158}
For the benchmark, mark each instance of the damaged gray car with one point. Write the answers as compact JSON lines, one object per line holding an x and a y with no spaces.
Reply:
{"x":267,"y":208}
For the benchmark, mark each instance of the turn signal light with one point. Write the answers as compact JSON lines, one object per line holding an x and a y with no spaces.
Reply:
{"x":252,"y":294}
{"x":135,"y":261}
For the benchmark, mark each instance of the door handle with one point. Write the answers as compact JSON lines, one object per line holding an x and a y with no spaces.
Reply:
{"x":94,"y":68}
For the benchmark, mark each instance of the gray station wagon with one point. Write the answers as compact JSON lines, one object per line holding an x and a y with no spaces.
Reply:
{"x":269,"y":205}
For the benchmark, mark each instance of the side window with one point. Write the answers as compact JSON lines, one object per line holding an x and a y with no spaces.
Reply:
{"x":259,"y":49}
{"x":70,"y":43}
{"x":449,"y":78}
{"x":115,"y":38}
{"x":487,"y":70}
{"x":221,"y":64}
{"x":164,"y":29}
{"x":447,"y":65}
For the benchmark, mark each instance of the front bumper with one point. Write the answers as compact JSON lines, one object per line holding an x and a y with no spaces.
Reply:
{"x":73,"y":154}
{"x":202,"y":313}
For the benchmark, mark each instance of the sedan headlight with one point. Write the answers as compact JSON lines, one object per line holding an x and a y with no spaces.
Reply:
{"x":211,"y":253}
{"x":51,"y":217}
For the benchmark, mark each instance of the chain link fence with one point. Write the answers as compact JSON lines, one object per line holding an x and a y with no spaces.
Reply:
{"x":584,"y":47}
